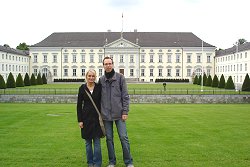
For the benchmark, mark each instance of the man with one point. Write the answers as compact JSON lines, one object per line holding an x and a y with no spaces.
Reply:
{"x":114,"y":108}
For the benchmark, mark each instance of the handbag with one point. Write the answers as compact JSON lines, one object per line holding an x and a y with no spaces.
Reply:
{"x":99,"y":114}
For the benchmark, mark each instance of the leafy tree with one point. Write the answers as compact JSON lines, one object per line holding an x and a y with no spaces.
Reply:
{"x":215,"y":81}
{"x":10,"y":81}
{"x":44,"y":79}
{"x":246,"y":84}
{"x":230,"y":83}
{"x":195,"y":80}
{"x":204,"y":79}
{"x":2,"y":83}
{"x":39,"y":79}
{"x":26,"y":80}
{"x":23,"y":46}
{"x":19,"y":81}
{"x":222,"y":82}
{"x":209,"y":80}
{"x":33,"y":80}
{"x":241,"y":41}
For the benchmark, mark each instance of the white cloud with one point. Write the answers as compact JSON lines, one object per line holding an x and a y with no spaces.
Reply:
{"x":218,"y":22}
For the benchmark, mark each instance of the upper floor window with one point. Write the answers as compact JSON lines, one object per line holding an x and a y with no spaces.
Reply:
{"x":65,"y":58}
{"x":209,"y":59}
{"x":131,"y":58}
{"x":188,"y":58}
{"x":121,"y":59}
{"x":198,"y":59}
{"x":142,"y":58}
{"x":151,"y":60}
{"x":45,"y":59}
{"x":160,"y":58}
{"x":91,"y":58}
{"x":177,"y":58}
{"x":74,"y":58}
{"x":169,"y":58}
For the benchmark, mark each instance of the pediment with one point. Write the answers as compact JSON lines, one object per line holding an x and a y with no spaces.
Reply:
{"x":122,"y":43}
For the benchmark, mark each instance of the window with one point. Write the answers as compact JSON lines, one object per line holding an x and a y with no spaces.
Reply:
{"x":83,"y":71}
{"x":121,"y":58}
{"x":74,"y":72}
{"x":209,"y":59}
{"x":2,"y":67}
{"x":142,"y":72}
{"x":160,"y":73}
{"x":35,"y":58}
{"x":188,"y":58}
{"x":35,"y":71}
{"x":100,"y":60}
{"x":151,"y":72}
{"x":65,"y":72}
{"x":65,"y":58}
{"x":142,"y":58}
{"x":131,"y":72}
{"x":74,"y":58}
{"x":177,"y":72}
{"x":245,"y":66}
{"x":189,"y":72}
{"x":169,"y":58}
{"x":169,"y":72}
{"x":131,"y":58}
{"x":55,"y":72}
{"x":83,"y":58}
{"x":177,"y":58}
{"x":160,"y":58}
{"x":91,"y":58}
{"x":208,"y":72}
{"x":151,"y":60}
{"x":198,"y":59}
{"x":54,"y":58}
{"x":45,"y":58}
{"x":100,"y":71}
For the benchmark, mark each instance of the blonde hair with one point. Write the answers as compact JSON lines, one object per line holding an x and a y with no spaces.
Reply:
{"x":90,"y":70}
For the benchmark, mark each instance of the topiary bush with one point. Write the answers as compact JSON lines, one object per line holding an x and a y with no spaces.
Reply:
{"x":39,"y":79}
{"x":209,"y":81}
{"x":10,"y":81}
{"x":33,"y":80}
{"x":19,"y":81}
{"x":199,"y":80}
{"x":44,"y":79}
{"x":195,"y":80}
{"x":222,"y":82}
{"x":230,"y":83}
{"x":215,"y":81}
{"x":246,"y":84}
{"x":26,"y":80}
{"x":2,"y":83}
{"x":204,"y":79}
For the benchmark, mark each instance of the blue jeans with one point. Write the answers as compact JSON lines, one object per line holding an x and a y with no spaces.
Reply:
{"x":96,"y":157}
{"x":122,"y":132}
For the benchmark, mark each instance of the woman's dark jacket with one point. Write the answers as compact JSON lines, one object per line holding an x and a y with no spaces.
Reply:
{"x":87,"y":113}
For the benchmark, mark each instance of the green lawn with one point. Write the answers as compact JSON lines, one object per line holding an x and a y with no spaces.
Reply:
{"x":185,"y":135}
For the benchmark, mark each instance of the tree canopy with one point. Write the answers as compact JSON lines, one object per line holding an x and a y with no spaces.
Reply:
{"x":23,"y":46}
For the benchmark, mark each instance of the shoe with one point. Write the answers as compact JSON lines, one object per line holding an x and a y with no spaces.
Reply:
{"x":111,"y":165}
{"x":130,"y":165}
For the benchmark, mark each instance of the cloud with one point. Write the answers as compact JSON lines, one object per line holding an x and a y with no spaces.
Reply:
{"x":123,"y":4}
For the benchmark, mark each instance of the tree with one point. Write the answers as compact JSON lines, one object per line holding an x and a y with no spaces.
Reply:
{"x":230,"y":83}
{"x":246,"y":84}
{"x":209,"y":80}
{"x":2,"y":83}
{"x":215,"y":81}
{"x":19,"y":81}
{"x":222,"y":82}
{"x":23,"y":46}
{"x":241,"y":41}
{"x":39,"y":79}
{"x":10,"y":81}
{"x":204,"y":79}
{"x":33,"y":80}
{"x":44,"y":79}
{"x":26,"y":80}
{"x":195,"y":79}
{"x":199,"y":80}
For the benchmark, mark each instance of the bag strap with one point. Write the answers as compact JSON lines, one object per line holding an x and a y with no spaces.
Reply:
{"x":99,"y":114}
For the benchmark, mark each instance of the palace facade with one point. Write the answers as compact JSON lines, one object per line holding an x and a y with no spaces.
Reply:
{"x":140,"y":56}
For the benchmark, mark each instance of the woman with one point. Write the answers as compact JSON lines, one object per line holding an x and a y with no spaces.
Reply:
{"x":88,"y":119}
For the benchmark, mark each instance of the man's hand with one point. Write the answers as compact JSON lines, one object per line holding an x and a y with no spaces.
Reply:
{"x":124,"y":117}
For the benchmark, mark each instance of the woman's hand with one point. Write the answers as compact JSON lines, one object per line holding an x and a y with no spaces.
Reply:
{"x":80,"y":124}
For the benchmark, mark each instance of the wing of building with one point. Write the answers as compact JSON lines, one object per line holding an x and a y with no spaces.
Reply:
{"x":14,"y":61}
{"x":233,"y":62}
{"x":140,"y":56}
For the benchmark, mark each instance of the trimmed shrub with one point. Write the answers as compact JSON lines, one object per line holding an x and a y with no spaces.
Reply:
{"x":230,"y":83}
{"x":44,"y":79}
{"x":39,"y":79}
{"x":2,"y":83}
{"x":10,"y":81}
{"x":246,"y":84}
{"x":222,"y":82}
{"x":33,"y":80}
{"x":195,"y":80}
{"x":215,"y":81}
{"x":209,"y":81}
{"x":204,"y":79}
{"x":19,"y":81}
{"x":26,"y":80}
{"x":199,"y":80}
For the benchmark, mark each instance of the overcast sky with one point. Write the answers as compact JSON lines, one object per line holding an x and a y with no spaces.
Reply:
{"x":219,"y":22}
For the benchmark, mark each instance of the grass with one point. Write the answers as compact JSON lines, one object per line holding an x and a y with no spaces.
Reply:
{"x":38,"y":135}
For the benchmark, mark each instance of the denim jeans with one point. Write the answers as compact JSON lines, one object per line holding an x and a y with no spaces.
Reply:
{"x":122,"y":132}
{"x":94,"y":157}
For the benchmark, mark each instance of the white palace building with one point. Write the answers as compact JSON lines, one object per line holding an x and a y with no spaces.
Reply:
{"x":140,"y":56}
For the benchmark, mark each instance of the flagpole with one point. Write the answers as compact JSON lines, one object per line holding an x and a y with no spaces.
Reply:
{"x":202,"y":66}
{"x":122,"y":27}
